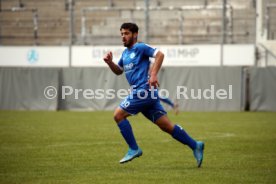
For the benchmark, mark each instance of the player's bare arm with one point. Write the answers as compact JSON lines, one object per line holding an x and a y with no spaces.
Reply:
{"x":153,"y":81}
{"x":108,"y":58}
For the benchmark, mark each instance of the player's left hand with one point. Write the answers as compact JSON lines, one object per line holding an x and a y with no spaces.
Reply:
{"x":153,"y":82}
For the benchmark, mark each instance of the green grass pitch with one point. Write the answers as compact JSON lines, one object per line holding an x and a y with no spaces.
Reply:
{"x":85,"y":147}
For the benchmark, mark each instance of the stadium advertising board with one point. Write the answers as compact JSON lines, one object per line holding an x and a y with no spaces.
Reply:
{"x":191,"y":55}
{"x":38,"y":56}
{"x":198,"y":55}
{"x":92,"y":56}
{"x":175,"y":55}
{"x":239,"y":55}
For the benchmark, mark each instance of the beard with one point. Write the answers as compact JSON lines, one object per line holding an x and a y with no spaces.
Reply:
{"x":129,"y":43}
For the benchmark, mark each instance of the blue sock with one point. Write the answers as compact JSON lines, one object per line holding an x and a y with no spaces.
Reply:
{"x":127,"y":133}
{"x":180,"y":135}
{"x":167,"y":101}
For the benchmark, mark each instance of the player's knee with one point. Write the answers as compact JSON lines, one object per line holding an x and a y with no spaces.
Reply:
{"x":164,"y":128}
{"x":165,"y":124}
{"x":118,"y":117}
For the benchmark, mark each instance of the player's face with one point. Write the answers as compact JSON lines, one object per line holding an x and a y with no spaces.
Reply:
{"x":128,"y":38}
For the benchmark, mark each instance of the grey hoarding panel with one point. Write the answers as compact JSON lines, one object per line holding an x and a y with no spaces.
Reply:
{"x":172,"y":79}
{"x":92,"y":84}
{"x":23,"y":88}
{"x":199,"y":82}
{"x":263,"y":89}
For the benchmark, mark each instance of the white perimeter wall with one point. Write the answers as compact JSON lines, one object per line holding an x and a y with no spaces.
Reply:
{"x":91,"y":56}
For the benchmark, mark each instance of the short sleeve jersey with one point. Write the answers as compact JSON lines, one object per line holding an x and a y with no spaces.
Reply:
{"x":135,"y":63}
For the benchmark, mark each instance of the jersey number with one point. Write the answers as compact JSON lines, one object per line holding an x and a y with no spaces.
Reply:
{"x":125,"y":103}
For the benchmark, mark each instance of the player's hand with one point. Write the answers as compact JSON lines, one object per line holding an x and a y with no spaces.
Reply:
{"x":108,"y":57}
{"x":153,"y":82}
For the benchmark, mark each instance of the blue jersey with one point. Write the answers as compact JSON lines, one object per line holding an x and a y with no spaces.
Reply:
{"x":135,"y":63}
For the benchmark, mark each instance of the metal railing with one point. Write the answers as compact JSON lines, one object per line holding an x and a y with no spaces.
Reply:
{"x":268,"y":17}
{"x":267,"y":53}
{"x":34,"y":17}
{"x":179,"y":10}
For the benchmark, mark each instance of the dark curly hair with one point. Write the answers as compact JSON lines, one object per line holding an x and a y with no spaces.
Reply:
{"x":132,"y":27}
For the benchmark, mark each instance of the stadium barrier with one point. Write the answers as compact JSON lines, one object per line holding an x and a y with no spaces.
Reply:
{"x":24,"y":88}
{"x":186,"y":75}
{"x":91,"y":56}
{"x":173,"y":80}
{"x":262,"y":89}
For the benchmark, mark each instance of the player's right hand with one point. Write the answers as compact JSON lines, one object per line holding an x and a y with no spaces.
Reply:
{"x":108,"y":57}
{"x":153,"y":82}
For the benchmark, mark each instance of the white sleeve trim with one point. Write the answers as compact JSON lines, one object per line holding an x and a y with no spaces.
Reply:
{"x":155,"y":52}
{"x":120,"y":67}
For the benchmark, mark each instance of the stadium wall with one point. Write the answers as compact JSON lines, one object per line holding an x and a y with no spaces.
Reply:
{"x":24,"y":88}
{"x":262,"y":89}
{"x":25,"y":72}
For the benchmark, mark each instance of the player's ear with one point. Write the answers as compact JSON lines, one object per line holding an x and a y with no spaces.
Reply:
{"x":135,"y":35}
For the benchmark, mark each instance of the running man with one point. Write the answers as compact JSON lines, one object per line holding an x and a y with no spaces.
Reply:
{"x":173,"y":105}
{"x":166,"y":100}
{"x":135,"y":64}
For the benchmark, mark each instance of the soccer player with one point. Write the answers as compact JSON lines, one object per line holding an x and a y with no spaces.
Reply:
{"x":135,"y":63}
{"x":164,"y":99}
{"x":173,"y":105}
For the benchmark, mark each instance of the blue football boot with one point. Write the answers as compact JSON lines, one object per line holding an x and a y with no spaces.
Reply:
{"x":198,"y":152}
{"x":131,"y":154}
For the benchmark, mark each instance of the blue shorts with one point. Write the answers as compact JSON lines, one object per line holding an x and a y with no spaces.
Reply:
{"x":148,"y":106}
